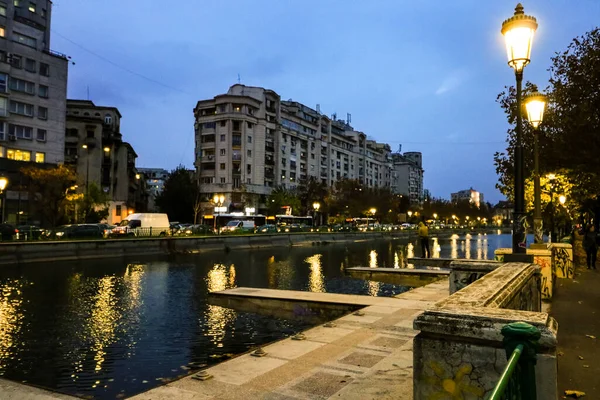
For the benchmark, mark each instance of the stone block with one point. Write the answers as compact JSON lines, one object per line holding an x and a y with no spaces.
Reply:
{"x":562,"y":259}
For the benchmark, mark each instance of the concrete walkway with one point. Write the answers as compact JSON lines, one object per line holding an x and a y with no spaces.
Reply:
{"x":362,"y":357}
{"x":576,"y":307}
{"x":17,"y":391}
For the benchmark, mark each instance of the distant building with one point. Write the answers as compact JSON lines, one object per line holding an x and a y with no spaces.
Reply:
{"x":249,"y":141}
{"x":33,"y":93}
{"x":407,"y":175}
{"x":503,"y":211}
{"x":94,"y":146}
{"x":155,"y":181}
{"x":470,"y":195}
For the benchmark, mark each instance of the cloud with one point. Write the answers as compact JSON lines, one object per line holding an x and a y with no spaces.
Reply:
{"x":452,"y":81}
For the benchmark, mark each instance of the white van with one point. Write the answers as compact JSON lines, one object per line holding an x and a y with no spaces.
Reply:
{"x":143,"y":224}
{"x":239,"y":226}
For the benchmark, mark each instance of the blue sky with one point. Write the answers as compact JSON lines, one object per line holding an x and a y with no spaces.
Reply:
{"x":424,"y":74}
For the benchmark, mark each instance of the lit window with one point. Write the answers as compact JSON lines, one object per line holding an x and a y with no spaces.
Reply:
{"x":3,"y":10}
{"x":18,"y":155}
{"x":1,"y":151}
{"x":32,"y":7}
{"x":17,"y":3}
{"x":40,"y":157}
{"x":2,"y":32}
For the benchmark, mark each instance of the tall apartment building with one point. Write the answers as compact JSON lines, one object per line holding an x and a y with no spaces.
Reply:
{"x":33,"y":91}
{"x":407,"y":175}
{"x":94,"y":146}
{"x":249,"y":141}
{"x":155,"y":180}
{"x":471,"y":195}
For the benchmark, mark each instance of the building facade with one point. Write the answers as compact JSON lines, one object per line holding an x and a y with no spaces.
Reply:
{"x":249,"y":141}
{"x":94,"y":146}
{"x":155,"y":181}
{"x":471,"y":195}
{"x":33,"y":91}
{"x":407,"y":176}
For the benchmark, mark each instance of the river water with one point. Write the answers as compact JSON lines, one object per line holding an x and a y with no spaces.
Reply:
{"x":116,"y":327}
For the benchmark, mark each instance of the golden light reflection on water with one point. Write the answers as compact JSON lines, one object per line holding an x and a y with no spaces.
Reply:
{"x":316,"y":280}
{"x":481,"y":247}
{"x":410,"y":250}
{"x":467,"y":245}
{"x":11,"y":316}
{"x":220,"y":277}
{"x":373,"y":288}
{"x":280,"y":273}
{"x":435,"y":248}
{"x":373,"y":259}
{"x":396,"y":260}
{"x":103,"y":320}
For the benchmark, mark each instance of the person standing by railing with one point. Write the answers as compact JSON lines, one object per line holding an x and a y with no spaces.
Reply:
{"x":424,"y":238}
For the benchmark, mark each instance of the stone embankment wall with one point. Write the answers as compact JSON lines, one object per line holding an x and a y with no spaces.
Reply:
{"x":18,"y":253}
{"x":459,"y":351}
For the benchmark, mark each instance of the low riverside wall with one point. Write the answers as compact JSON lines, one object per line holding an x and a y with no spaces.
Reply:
{"x":465,"y":272}
{"x":27,"y":252}
{"x":459,"y":351}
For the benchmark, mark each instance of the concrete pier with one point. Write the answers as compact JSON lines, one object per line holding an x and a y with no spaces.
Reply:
{"x":361,"y":357}
{"x":17,"y":391}
{"x":398,"y":276}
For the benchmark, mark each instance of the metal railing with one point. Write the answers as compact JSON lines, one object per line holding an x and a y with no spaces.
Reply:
{"x":517,"y":381}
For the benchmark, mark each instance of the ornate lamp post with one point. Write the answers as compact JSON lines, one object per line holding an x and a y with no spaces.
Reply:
{"x":316,"y":207}
{"x":373,"y":211}
{"x":3,"y":184}
{"x":518,"y":34}
{"x":535,"y":103}
{"x":219,"y":199}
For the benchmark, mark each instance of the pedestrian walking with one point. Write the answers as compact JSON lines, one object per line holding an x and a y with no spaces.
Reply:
{"x":424,"y":238}
{"x":590,"y":245}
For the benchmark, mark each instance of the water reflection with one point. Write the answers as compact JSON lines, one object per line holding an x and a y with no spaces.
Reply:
{"x":219,"y":278}
{"x":373,"y":288}
{"x":435,"y":248}
{"x":373,"y":259}
{"x":11,"y":317}
{"x":316,"y":280}
{"x":280,"y":274}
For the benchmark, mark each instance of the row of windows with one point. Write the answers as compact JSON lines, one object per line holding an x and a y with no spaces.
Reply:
{"x":21,"y":85}
{"x":22,"y":155}
{"x":25,"y":109}
{"x":223,"y":123}
{"x":31,"y":6}
{"x":29,"y":64}
{"x":21,"y":132}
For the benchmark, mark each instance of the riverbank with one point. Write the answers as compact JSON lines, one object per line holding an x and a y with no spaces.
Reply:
{"x":32,"y":252}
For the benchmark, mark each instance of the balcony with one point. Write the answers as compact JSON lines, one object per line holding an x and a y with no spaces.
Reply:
{"x":269,"y":175}
{"x":236,"y":157}
{"x":35,"y":20}
{"x":269,"y":149}
{"x":269,"y":161}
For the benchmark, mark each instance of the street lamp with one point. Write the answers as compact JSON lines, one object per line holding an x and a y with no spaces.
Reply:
{"x":562,"y":199}
{"x":219,"y":199}
{"x":535,"y":103}
{"x":316,"y":207}
{"x":373,"y":211}
{"x":3,"y":184}
{"x":87,"y":169}
{"x":435,"y":216}
{"x":518,"y":34}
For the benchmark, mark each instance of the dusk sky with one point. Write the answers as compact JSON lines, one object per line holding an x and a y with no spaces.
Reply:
{"x":423,"y":74}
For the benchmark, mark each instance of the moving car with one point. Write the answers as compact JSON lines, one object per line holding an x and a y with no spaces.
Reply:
{"x":29,"y":232}
{"x":8,"y":232}
{"x":238,"y":226}
{"x":81,"y":231}
{"x":143,"y":224}
{"x":268,"y":228}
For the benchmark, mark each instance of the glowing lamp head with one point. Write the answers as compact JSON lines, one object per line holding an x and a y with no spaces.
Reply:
{"x":434,"y":215}
{"x":3,"y":183}
{"x":85,"y":146}
{"x":535,"y":104}
{"x":518,"y":33}
{"x":316,"y":206}
{"x":373,"y":211}
{"x":410,"y":213}
{"x":562,"y":199}
{"x":107,"y":149}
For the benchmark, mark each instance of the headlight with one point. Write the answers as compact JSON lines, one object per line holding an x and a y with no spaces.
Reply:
{"x":59,"y":233}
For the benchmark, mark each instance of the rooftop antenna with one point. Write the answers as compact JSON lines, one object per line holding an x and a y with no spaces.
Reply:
{"x":399,"y":148}
{"x":334,"y":116}
{"x":348,"y":118}
{"x":239,"y":79}
{"x":318,"y":109}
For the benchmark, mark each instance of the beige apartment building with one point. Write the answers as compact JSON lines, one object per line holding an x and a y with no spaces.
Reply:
{"x":33,"y":90}
{"x":249,"y":141}
{"x":407,"y":175}
{"x":94,"y":146}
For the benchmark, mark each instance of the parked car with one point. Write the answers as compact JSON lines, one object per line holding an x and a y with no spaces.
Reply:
{"x":80,"y":231}
{"x":143,"y":224}
{"x":8,"y":232}
{"x":195,"y":230}
{"x":29,"y":232}
{"x":268,"y":228}
{"x":106,"y":229}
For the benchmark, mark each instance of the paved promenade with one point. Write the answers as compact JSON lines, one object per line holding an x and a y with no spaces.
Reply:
{"x":362,"y":357}
{"x":16,"y":391}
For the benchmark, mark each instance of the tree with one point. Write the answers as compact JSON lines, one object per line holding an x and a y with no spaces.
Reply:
{"x":178,"y":198}
{"x":570,"y":133}
{"x":48,"y":190}
{"x":281,"y":197}
{"x":309,"y":191}
{"x":94,"y":204}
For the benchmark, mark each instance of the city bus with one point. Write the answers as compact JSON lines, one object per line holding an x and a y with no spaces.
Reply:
{"x":283,"y":220}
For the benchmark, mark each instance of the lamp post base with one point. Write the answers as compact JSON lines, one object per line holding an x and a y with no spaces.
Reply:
{"x":538,"y":230}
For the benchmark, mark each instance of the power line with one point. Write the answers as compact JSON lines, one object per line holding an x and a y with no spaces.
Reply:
{"x":120,"y":66}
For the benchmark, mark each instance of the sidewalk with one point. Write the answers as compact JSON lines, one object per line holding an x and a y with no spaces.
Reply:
{"x":576,"y":307}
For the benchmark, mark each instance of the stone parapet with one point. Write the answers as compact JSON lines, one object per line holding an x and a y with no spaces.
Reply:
{"x":465,"y":272}
{"x":543,"y":258}
{"x":459,"y":352}
{"x":562,"y":260}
